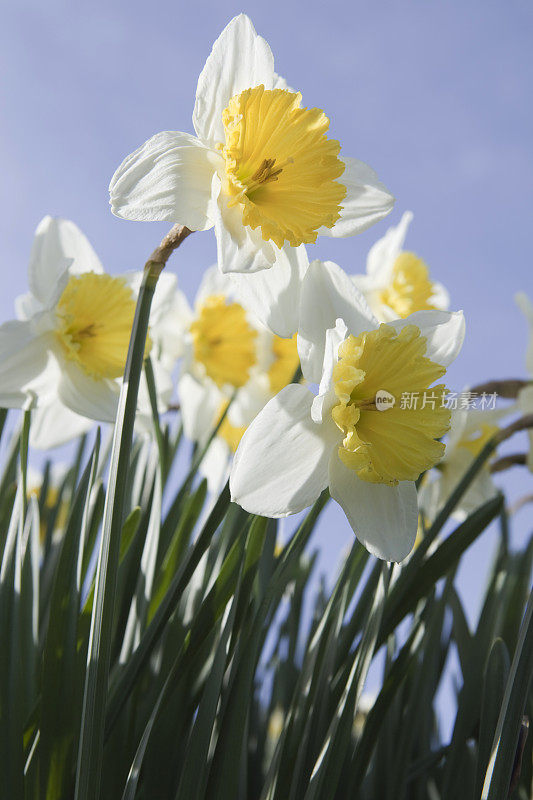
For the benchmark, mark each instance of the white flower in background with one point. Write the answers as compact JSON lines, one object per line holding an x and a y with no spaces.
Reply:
{"x":397,"y":282}
{"x":470,"y":430}
{"x":228,"y":355}
{"x":525,"y":396}
{"x":300,"y":444}
{"x":68,"y":349}
{"x":260,"y":170}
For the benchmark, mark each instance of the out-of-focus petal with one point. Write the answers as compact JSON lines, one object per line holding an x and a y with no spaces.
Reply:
{"x":274,"y":294}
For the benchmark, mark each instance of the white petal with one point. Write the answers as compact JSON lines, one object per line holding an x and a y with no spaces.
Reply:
{"x":164,"y":386}
{"x":367,"y":200}
{"x":249,"y":400}
{"x":281,"y":464}
{"x":440,"y":297}
{"x":89,"y":397}
{"x":200,"y":403}
{"x":215,"y":465}
{"x":54,"y":424}
{"x":274,"y":294}
{"x":27,"y":305}
{"x":213,"y":282}
{"x":326,"y":398}
{"x":385,"y":251}
{"x":167,"y":179}
{"x":444,"y":331}
{"x":327,"y":294}
{"x":23,"y":359}
{"x":58,"y":245}
{"x":239,"y":248}
{"x":239,"y":60}
{"x":526,"y":307}
{"x":281,"y":83}
{"x":384,"y":518}
{"x":525,"y":400}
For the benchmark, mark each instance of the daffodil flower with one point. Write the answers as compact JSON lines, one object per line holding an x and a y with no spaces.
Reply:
{"x":525,"y":396}
{"x":355,"y":436}
{"x":228,"y":355}
{"x":470,"y":430}
{"x":261,"y":169}
{"x":397,"y":282}
{"x":68,"y":348}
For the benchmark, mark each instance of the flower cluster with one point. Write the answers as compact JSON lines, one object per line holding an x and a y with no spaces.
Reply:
{"x":287,"y":359}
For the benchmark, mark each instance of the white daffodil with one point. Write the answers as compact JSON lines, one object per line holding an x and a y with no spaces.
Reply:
{"x":397,"y":282}
{"x":68,"y":348}
{"x":300,"y":444}
{"x":525,"y":396}
{"x":261,"y":169}
{"x":470,"y":430}
{"x":228,"y":355}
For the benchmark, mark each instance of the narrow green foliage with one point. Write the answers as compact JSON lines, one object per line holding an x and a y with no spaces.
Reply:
{"x":207,"y":659}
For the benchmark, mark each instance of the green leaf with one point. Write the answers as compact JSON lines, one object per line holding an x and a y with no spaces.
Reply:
{"x":126,"y":679}
{"x":91,"y":744}
{"x":11,"y":722}
{"x":60,"y":692}
{"x":418,"y":579}
{"x":194,"y":780}
{"x":504,"y":747}
{"x":496,"y":675}
{"x":338,"y":739}
{"x":191,"y":511}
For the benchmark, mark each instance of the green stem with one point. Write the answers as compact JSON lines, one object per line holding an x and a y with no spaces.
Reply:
{"x":90,"y":751}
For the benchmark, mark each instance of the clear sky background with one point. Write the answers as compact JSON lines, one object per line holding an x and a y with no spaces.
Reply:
{"x":434,"y":94}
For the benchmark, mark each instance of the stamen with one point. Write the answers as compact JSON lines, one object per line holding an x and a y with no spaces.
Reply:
{"x":265,"y":174}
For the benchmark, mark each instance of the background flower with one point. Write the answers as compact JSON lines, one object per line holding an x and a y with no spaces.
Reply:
{"x":68,"y":351}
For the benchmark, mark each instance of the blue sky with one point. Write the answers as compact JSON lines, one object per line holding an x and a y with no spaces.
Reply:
{"x":434,"y":94}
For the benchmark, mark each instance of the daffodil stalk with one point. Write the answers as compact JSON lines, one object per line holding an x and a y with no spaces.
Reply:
{"x":90,"y":750}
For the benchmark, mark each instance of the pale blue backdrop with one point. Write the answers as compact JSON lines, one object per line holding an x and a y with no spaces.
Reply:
{"x":434,"y":94}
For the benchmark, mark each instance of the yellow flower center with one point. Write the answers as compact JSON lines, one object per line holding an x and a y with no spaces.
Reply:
{"x":400,"y":442}
{"x":95,"y":315}
{"x":285,"y":364}
{"x":476,"y":441}
{"x":410,"y":289}
{"x":231,"y":434}
{"x":224,"y":342}
{"x":280,"y":166}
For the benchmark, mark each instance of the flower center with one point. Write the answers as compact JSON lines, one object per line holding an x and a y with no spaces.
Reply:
{"x":280,"y":166}
{"x":410,"y":289}
{"x":95,"y":316}
{"x":285,"y":364}
{"x":224,"y":341}
{"x":400,"y":442}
